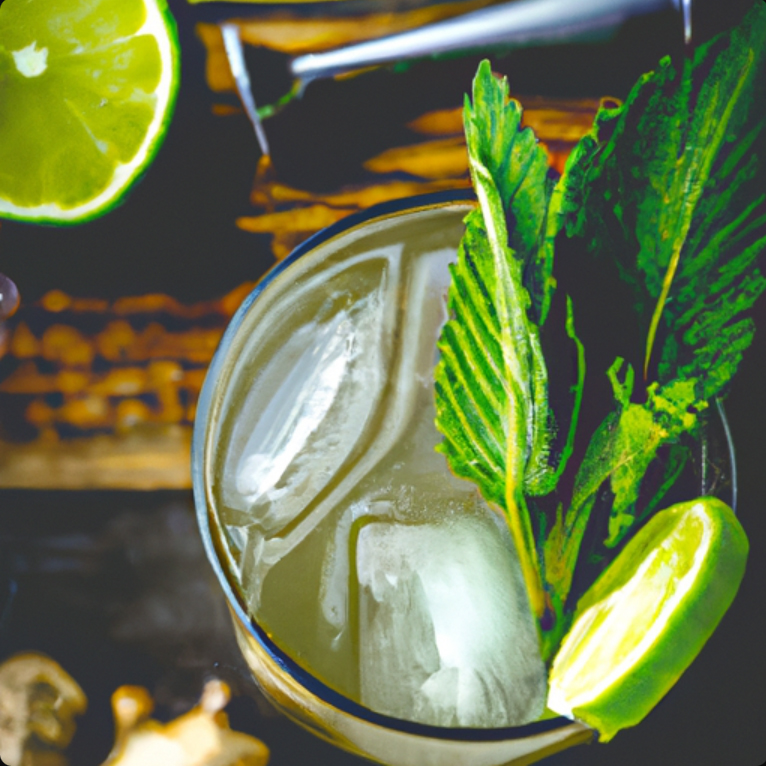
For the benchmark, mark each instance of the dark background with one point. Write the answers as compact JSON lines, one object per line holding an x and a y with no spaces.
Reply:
{"x":92,"y":588}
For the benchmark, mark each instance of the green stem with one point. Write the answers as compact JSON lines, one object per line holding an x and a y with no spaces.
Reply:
{"x":269,"y":110}
{"x":566,"y":453}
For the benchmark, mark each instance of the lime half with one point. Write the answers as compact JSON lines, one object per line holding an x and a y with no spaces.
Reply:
{"x":649,"y":614}
{"x":86,"y":93}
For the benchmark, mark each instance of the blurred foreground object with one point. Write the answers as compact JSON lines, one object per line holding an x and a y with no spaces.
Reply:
{"x":38,"y":703}
{"x":9,"y":297}
{"x":337,"y":46}
{"x":9,"y":302}
{"x":297,"y":34}
{"x":343,"y":47}
{"x":201,"y":737}
{"x":227,"y":68}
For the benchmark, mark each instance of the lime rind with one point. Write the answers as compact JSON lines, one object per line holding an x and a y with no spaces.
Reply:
{"x":630,"y":597}
{"x":160,"y":25}
{"x":590,"y":679}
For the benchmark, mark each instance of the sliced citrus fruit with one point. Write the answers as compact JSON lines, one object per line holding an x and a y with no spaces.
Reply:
{"x":87,"y":89}
{"x":649,"y":614}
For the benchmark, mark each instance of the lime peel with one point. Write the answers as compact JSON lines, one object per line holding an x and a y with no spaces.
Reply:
{"x":650,"y":613}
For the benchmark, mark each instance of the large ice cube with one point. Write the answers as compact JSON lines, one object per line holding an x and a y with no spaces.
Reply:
{"x":304,"y":414}
{"x":298,"y":417}
{"x":446,"y":636}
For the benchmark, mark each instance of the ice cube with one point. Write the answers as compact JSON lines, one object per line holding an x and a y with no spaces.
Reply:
{"x":446,"y":636}
{"x":303,"y":415}
{"x":294,"y":415}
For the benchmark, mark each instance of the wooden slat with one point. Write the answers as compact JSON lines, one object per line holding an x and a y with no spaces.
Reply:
{"x":158,"y":458}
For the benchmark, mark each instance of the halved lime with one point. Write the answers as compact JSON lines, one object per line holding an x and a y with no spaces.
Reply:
{"x":648,"y":616}
{"x":87,"y":89}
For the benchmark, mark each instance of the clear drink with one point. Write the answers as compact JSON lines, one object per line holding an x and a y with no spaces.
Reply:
{"x":343,"y":538}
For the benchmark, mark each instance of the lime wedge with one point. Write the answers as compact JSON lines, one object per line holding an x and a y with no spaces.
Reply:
{"x":648,"y":616}
{"x":86,"y":94}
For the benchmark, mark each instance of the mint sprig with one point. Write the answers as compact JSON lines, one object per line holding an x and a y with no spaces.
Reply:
{"x":492,"y":381}
{"x":671,"y":185}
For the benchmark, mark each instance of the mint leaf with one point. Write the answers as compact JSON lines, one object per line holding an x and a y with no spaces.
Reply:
{"x":491,"y":381}
{"x":510,"y":158}
{"x":633,"y":436}
{"x":674,"y":185}
{"x":618,"y":456}
{"x":486,"y":383}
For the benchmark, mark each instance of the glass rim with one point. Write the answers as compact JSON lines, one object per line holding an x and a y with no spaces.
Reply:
{"x":305,"y":678}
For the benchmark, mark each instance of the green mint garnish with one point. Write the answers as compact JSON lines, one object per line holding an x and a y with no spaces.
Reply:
{"x":671,"y":186}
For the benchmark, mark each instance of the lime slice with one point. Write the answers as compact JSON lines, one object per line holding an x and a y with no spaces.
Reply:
{"x":649,"y":614}
{"x":86,"y":94}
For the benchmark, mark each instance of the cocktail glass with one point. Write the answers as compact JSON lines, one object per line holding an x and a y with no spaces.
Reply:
{"x":351,"y":318}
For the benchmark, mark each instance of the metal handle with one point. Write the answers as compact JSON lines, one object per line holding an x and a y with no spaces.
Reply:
{"x":518,"y":23}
